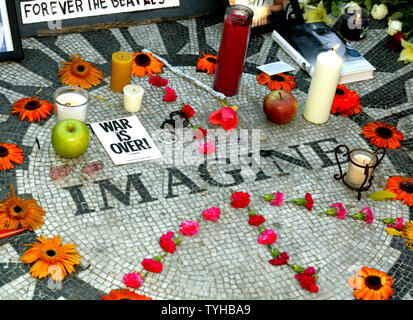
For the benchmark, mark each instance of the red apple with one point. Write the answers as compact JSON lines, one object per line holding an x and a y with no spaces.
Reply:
{"x":280,"y":106}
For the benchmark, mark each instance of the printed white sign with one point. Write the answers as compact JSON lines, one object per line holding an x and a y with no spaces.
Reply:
{"x":50,"y":10}
{"x":126,"y":140}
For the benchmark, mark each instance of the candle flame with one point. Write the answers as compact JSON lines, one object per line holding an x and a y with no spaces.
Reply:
{"x":335,"y":48}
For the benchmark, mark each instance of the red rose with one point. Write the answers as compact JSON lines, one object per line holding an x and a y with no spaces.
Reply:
{"x":256,"y":220}
{"x":280,"y":260}
{"x":394,"y":42}
{"x":307,"y":280}
{"x":226,"y":117}
{"x":187,"y":109}
{"x":166,"y":243}
{"x":200,"y":133}
{"x":310,"y":201}
{"x":152,"y":265}
{"x":170,"y":95}
{"x":241,"y":200}
{"x":157,"y":81}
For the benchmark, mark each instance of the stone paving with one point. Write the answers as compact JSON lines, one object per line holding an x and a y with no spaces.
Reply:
{"x":115,"y":227}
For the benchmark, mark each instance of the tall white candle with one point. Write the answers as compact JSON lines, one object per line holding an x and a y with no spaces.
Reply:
{"x":323,"y":87}
{"x":71,"y":103}
{"x":133,"y":95}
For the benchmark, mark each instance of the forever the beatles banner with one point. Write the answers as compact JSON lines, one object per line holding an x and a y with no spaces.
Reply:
{"x":50,"y":10}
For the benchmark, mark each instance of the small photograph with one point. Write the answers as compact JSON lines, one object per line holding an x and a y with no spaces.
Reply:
{"x":265,"y":11}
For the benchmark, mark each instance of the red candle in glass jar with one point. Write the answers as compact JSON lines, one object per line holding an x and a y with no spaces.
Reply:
{"x":233,"y":49}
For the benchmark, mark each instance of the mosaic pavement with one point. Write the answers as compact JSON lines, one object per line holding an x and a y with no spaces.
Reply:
{"x":116,"y":216}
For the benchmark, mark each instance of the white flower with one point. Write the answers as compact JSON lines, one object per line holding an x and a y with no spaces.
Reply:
{"x":379,"y":11}
{"x":394,"y":27}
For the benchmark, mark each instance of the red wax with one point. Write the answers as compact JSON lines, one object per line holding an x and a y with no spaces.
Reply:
{"x":232,"y":53}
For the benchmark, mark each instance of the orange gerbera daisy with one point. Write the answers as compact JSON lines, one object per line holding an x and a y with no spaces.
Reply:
{"x":403,"y":187}
{"x":18,"y":213}
{"x":79,"y":73}
{"x":407,"y":233}
{"x":124,"y":294}
{"x":10,"y":153}
{"x":207,"y":63}
{"x":277,"y":81}
{"x":371,"y":284}
{"x":32,"y":109}
{"x":51,"y":258}
{"x":145,"y":64}
{"x":382,"y":135}
{"x":346,"y":102}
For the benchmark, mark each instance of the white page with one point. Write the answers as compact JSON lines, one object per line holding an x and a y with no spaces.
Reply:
{"x":275,"y":68}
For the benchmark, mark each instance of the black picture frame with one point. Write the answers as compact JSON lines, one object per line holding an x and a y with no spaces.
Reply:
{"x":10,"y":41}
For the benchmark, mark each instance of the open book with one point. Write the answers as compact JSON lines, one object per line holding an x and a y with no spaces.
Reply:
{"x":303,"y":43}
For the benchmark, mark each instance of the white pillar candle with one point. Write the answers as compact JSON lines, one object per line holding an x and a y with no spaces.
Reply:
{"x":71,"y":103}
{"x":133,"y":95}
{"x":355,"y":175}
{"x":323,"y":87}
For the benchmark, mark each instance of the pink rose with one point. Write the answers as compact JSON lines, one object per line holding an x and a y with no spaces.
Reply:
{"x":212,"y":214}
{"x":267,"y":237}
{"x":132,"y":280}
{"x":278,"y":199}
{"x":189,"y":228}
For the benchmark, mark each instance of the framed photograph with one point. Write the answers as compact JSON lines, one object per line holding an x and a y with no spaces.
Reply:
{"x":10,"y":41}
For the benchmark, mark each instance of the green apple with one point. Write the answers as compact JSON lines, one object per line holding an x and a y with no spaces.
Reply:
{"x":70,"y":138}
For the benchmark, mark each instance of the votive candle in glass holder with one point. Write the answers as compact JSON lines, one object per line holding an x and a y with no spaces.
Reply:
{"x":357,"y":168}
{"x":132,"y":95}
{"x":354,"y":23}
{"x":71,"y":103}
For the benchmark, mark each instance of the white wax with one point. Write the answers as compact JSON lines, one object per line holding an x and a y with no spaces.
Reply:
{"x":323,"y":87}
{"x":133,"y":95}
{"x":355,"y":174}
{"x":71,"y":105}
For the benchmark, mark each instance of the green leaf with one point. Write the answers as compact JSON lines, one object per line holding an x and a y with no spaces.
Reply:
{"x":382,"y":195}
{"x":334,"y":9}
{"x":368,"y":5}
{"x":396,"y":16}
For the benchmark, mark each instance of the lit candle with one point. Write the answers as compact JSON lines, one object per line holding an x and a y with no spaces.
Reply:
{"x":121,"y":70}
{"x":133,"y":95}
{"x":71,"y":103}
{"x":355,"y":175}
{"x":323,"y":87}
